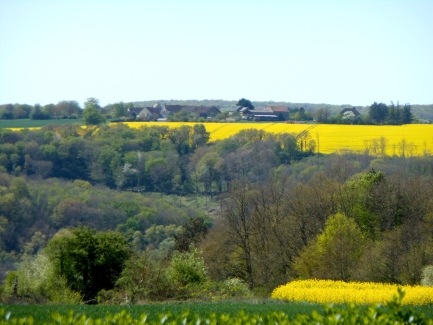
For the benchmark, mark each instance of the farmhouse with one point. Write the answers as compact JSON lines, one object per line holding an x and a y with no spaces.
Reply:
{"x":281,"y":111}
{"x":138,"y":113}
{"x":270,"y":113}
{"x":157,"y":111}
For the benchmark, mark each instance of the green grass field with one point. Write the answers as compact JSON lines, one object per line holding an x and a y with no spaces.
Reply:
{"x":26,"y":123}
{"x":41,"y":313}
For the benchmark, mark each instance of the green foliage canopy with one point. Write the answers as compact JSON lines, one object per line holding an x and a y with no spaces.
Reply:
{"x":91,"y":113}
{"x":89,"y":261}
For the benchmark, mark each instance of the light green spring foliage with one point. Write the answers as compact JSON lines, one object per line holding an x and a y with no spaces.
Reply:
{"x":391,"y":313}
{"x":36,"y":280}
{"x":144,"y":279}
{"x":427,"y":276}
{"x":335,"y":252}
{"x":188,"y":268}
{"x":235,"y":287}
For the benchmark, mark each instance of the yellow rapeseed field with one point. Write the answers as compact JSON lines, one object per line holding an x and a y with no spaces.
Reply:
{"x":410,"y":139}
{"x":413,"y":139}
{"x":328,"y":291}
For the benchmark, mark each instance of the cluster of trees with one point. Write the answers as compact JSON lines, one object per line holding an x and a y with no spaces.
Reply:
{"x":332,"y":217}
{"x":92,"y":113}
{"x":371,"y":226}
{"x":300,"y":114}
{"x":380,"y":113}
{"x":153,"y":158}
{"x":270,"y":211}
{"x":44,"y":233}
{"x":32,"y":211}
{"x":63,"y":109}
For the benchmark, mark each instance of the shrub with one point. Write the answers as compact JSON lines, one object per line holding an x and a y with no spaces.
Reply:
{"x":188,"y":275}
{"x":142,"y":279}
{"x":35,"y":281}
{"x":188,"y":268}
{"x":235,"y":288}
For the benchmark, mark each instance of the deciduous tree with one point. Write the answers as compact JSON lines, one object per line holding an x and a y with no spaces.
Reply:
{"x":335,"y":252}
{"x":91,"y":113}
{"x":245,"y":103}
{"x":89,"y":261}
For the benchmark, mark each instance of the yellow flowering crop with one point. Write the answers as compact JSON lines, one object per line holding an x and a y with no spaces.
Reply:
{"x":328,"y":291}
{"x":412,"y":139}
{"x":407,"y":140}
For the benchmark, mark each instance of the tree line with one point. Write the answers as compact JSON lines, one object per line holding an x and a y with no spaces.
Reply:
{"x":94,"y":114}
{"x":63,"y":109}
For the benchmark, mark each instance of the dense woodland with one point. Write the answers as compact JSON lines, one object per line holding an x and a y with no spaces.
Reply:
{"x":167,"y":215}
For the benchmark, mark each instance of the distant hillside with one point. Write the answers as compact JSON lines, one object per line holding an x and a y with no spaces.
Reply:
{"x":424,"y":112}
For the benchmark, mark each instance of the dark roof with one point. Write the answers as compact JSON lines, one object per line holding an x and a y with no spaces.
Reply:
{"x":174,"y":108}
{"x":193,"y":109}
{"x":262,"y":111}
{"x":153,"y":110}
{"x":135,"y":110}
{"x":279,"y":109}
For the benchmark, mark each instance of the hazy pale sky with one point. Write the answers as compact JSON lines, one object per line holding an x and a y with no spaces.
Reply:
{"x":336,"y":52}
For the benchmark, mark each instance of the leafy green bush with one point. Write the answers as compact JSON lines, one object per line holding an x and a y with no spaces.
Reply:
{"x":146,"y":279}
{"x":35,"y":281}
{"x":235,"y":288}
{"x":142,"y":279}
{"x":188,"y":268}
{"x":188,"y":274}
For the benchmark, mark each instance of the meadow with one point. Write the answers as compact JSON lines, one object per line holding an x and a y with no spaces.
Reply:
{"x":41,"y":313}
{"x":410,"y":139}
{"x":261,"y":312}
{"x":299,"y":302}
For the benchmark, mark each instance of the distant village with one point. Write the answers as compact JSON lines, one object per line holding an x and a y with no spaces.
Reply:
{"x":160,"y":112}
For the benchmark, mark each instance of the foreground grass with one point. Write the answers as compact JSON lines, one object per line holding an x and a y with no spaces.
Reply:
{"x":218,"y":313}
{"x":42,"y":313}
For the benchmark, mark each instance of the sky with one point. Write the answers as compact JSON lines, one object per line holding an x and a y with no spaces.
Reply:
{"x":310,"y":51}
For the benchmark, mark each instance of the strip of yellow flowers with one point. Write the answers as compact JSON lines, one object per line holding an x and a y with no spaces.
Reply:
{"x":328,"y":291}
{"x":401,"y":140}
{"x":407,"y":140}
